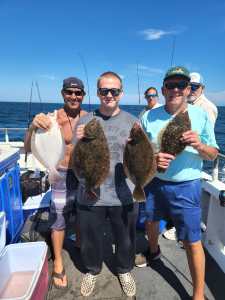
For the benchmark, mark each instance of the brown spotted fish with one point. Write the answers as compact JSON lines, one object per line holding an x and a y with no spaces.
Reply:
{"x":171,"y":136}
{"x":139,"y":161}
{"x":91,"y":158}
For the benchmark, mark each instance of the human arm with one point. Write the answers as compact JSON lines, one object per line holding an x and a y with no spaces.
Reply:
{"x":192,"y":138}
{"x":163,"y":161}
{"x":40,"y":121}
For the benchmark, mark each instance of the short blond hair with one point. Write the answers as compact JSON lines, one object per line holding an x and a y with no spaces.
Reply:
{"x":109,"y":74}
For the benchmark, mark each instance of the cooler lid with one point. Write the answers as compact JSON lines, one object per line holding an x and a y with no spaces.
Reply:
{"x":2,"y":231}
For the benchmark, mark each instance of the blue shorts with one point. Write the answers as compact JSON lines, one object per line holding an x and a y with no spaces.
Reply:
{"x":179,"y":201}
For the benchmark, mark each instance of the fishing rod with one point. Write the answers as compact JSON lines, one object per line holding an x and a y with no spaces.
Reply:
{"x":87,"y":81}
{"x":39,"y":95}
{"x":173,"y":51}
{"x":138,"y":78}
{"x":29,"y":114}
{"x":29,"y":105}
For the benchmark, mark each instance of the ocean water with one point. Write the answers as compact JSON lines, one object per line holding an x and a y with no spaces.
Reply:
{"x":17,"y":114}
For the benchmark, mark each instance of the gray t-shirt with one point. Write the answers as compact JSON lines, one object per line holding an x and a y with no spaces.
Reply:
{"x":117,"y":189}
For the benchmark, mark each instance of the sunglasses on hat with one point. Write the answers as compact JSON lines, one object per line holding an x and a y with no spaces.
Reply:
{"x":114,"y":92}
{"x":180,"y":85}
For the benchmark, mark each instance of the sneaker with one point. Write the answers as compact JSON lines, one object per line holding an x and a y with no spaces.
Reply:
{"x":88,"y":284}
{"x":128,"y":284}
{"x":170,"y":234}
{"x":154,"y":256}
{"x":141,"y":260}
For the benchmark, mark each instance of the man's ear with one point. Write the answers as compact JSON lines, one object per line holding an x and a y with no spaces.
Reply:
{"x":162,"y":89}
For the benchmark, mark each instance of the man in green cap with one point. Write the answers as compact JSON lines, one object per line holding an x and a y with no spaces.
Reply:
{"x":176,"y":192}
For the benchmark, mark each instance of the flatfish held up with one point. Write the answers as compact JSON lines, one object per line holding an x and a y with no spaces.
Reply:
{"x":48,"y":147}
{"x":139,"y":161}
{"x":170,"y":137}
{"x":91,"y":157}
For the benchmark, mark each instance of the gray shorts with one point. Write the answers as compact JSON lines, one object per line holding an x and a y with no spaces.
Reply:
{"x":63,"y":202}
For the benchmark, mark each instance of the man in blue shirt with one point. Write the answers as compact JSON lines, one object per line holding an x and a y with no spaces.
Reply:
{"x":176,"y":192}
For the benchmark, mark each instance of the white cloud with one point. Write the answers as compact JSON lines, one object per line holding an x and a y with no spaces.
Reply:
{"x":147,"y":71}
{"x":217,"y":98}
{"x":151,"y":34}
{"x":150,"y":70}
{"x":48,"y":76}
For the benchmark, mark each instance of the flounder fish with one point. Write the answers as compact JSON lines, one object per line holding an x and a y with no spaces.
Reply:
{"x":48,"y":147}
{"x":170,"y":136}
{"x":91,"y":157}
{"x":139,"y":161}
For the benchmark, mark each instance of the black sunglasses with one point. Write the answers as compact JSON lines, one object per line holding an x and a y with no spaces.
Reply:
{"x":151,"y":95}
{"x":180,"y":85}
{"x":195,"y":87}
{"x":76,"y":93}
{"x":114,"y":92}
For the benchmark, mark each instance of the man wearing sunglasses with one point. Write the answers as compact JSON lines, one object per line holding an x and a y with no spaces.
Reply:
{"x":114,"y":197}
{"x":151,"y":96}
{"x":67,"y":117}
{"x":175,"y":194}
{"x":197,"y":97}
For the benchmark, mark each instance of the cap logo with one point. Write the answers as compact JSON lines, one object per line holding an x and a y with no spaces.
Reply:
{"x":177,"y":70}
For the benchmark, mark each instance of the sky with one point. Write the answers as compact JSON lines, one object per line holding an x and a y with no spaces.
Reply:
{"x":46,"y":41}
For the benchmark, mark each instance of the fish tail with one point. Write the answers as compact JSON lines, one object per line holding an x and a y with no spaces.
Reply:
{"x":139,"y":194}
{"x":54,"y":176}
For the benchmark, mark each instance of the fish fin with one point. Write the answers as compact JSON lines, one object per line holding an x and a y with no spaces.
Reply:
{"x":92,"y":194}
{"x":54,"y":176}
{"x":139,"y":194}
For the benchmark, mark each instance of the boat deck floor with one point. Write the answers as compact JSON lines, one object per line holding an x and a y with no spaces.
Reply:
{"x":167,"y":278}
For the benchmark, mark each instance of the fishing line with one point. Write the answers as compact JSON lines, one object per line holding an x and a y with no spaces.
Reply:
{"x":138,"y":81}
{"x":87,"y":81}
{"x":29,"y":114}
{"x":39,"y":96}
{"x":29,"y":105}
{"x":173,"y":51}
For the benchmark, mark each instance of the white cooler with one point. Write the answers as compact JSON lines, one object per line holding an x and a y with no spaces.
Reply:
{"x":23,"y":268}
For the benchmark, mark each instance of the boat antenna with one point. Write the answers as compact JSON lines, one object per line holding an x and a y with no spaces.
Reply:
{"x":138,"y":81}
{"x":29,"y":105}
{"x":39,"y":95}
{"x":173,"y":50}
{"x":87,"y":81}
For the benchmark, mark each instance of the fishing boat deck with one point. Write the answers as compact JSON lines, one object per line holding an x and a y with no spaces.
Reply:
{"x":167,"y":278}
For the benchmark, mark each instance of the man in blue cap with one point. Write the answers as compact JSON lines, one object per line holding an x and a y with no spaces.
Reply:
{"x":176,"y":192}
{"x":63,"y":191}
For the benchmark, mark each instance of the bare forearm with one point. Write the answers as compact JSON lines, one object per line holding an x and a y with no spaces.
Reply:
{"x":207,"y":152}
{"x":27,"y":139}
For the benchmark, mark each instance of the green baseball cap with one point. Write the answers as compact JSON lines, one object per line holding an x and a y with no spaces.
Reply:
{"x":177,"y":71}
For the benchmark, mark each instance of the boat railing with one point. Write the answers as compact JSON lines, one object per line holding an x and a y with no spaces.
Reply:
{"x":216,"y":164}
{"x":215,"y":167}
{"x":6,"y":132}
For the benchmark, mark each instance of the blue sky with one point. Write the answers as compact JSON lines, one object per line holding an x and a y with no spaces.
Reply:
{"x":42,"y":40}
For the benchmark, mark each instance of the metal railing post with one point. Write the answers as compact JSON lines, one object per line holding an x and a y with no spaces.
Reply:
{"x":215,"y":172}
{"x":6,"y":136}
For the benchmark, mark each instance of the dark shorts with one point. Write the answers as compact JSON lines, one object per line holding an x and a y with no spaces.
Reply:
{"x":63,"y":202}
{"x":179,"y":201}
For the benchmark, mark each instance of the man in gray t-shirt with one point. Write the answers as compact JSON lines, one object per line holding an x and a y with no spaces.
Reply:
{"x":114,"y":196}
